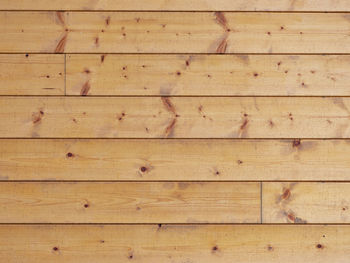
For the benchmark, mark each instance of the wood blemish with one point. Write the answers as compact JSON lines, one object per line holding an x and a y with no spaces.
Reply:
{"x":244,"y":124}
{"x":221,"y":20}
{"x":85,"y":89}
{"x":86,"y":205}
{"x":37,"y":117}
{"x":168,"y":105}
{"x":169,"y":128}
{"x":102,"y":58}
{"x":271,"y":123}
{"x":55,"y":248}
{"x":121,"y":116}
{"x":143,"y":169}
{"x":137,"y":19}
{"x":290,"y":115}
{"x":239,"y":162}
{"x":296,"y":143}
{"x":319,"y":246}
{"x":256,"y":74}
{"x":214,"y":249}
{"x":96,"y":41}
{"x":222,"y":46}
{"x":108,"y":21}
{"x":102,"y":241}
{"x":60,"y":18}
{"x":87,"y":71}
{"x":270,"y":248}
{"x":69,"y":155}
{"x":286,"y":194}
{"x":61,"y":44}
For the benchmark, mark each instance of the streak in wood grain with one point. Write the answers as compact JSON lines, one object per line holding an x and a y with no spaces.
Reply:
{"x":221,"y":20}
{"x":85,"y":89}
{"x":169,"y":130}
{"x":62,"y":42}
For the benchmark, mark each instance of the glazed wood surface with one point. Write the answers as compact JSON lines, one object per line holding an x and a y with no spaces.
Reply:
{"x":174,"y":32}
{"x":205,"y":75}
{"x":181,"y":5}
{"x":165,"y":117}
{"x":174,"y":243}
{"x":306,"y":202}
{"x":179,"y":160}
{"x":31,"y":74}
{"x":166,"y":202}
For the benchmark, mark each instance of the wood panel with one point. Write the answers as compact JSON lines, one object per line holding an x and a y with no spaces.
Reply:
{"x":31,"y":74}
{"x":179,"y":160}
{"x":208,"y":75}
{"x":174,"y":243}
{"x":180,"y":5}
{"x":166,"y":117}
{"x":166,"y":202}
{"x":306,"y":202}
{"x":174,"y":32}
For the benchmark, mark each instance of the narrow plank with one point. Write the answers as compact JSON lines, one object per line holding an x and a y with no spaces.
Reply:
{"x":205,"y":75}
{"x":31,"y":74}
{"x":174,"y":32}
{"x":306,"y":202}
{"x":181,"y":160}
{"x":179,"y":5}
{"x":165,"y":117}
{"x":129,"y":202}
{"x":174,"y":243}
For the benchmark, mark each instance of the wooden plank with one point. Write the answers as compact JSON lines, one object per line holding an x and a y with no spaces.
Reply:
{"x":306,"y":202}
{"x":31,"y":74}
{"x":205,"y":75}
{"x":165,"y":117}
{"x":181,"y":160}
{"x":129,"y":202}
{"x":179,"y":5}
{"x":174,"y":243}
{"x":174,"y":32}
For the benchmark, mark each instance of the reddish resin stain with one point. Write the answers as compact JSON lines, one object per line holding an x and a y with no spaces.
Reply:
{"x":85,"y":89}
{"x":61,"y":44}
{"x":296,"y":143}
{"x":286,"y":194}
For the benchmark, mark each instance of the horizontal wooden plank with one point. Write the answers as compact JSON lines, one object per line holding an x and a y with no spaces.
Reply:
{"x":181,"y":160}
{"x":174,"y":243}
{"x":31,"y":74}
{"x":165,"y":117}
{"x":306,"y":202}
{"x":174,"y":32}
{"x":129,"y":202}
{"x":179,"y":5}
{"x":206,"y":75}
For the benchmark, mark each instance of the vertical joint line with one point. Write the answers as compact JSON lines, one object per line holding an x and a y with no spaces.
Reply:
{"x":261,"y":200}
{"x":65,"y":74}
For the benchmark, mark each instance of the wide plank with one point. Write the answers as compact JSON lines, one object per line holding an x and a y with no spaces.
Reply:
{"x":165,"y":117}
{"x":31,"y":74}
{"x":130,"y":202}
{"x":179,"y":5}
{"x":174,"y":32}
{"x":209,"y":75}
{"x":174,"y":243}
{"x":306,"y":202}
{"x":179,"y":160}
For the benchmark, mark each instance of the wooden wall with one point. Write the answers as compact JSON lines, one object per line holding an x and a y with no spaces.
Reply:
{"x":174,"y":131}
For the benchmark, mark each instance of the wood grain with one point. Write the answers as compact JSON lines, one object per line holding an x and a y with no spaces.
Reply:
{"x":166,"y":117}
{"x":128,"y":202}
{"x":306,"y":202}
{"x":31,"y":74}
{"x":174,"y":32}
{"x":179,"y":160}
{"x":209,"y":75}
{"x":179,"y":5}
{"x":174,"y":243}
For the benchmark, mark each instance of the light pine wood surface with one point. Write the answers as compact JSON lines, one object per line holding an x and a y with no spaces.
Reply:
{"x":165,"y":117}
{"x":174,"y":160}
{"x":174,"y":243}
{"x":180,"y":5}
{"x":167,"y":202}
{"x":174,"y":131}
{"x":174,"y":32}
